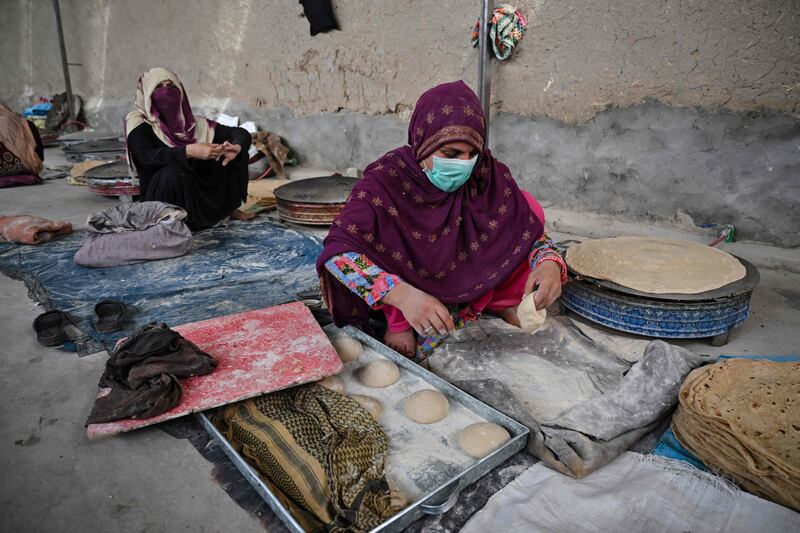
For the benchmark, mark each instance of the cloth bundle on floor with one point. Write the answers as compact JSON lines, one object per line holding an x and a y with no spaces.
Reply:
{"x":634,"y":493}
{"x":134,"y":233}
{"x":319,"y":451}
{"x":26,"y":229}
{"x":141,"y":375}
{"x":742,"y":419}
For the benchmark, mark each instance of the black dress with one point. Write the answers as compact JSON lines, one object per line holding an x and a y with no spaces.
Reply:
{"x":208,"y":191}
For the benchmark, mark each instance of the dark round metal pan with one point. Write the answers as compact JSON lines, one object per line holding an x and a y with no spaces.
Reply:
{"x":314,"y":201}
{"x":113,"y":170}
{"x":322,"y":190}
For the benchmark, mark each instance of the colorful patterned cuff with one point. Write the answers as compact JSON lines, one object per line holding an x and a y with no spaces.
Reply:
{"x":542,"y":245}
{"x":367,"y":280}
{"x":426,"y":344}
{"x":556,"y":257}
{"x":544,"y":249}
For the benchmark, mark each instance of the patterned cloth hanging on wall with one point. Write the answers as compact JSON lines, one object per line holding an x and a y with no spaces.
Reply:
{"x":506,"y":29}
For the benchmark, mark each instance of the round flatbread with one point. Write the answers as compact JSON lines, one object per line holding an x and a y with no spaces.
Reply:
{"x":655,"y":266}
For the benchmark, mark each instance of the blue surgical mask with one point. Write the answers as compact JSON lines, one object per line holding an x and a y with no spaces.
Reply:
{"x":450,"y":174}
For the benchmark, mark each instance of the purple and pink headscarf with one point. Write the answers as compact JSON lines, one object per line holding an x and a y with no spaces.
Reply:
{"x":454,"y":246}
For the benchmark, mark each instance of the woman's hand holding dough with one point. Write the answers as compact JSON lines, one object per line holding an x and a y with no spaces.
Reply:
{"x":229,"y":152}
{"x":204,"y":151}
{"x":425,"y":313}
{"x":548,"y":277}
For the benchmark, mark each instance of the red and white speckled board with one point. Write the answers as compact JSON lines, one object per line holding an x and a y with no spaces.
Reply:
{"x":258,"y":352}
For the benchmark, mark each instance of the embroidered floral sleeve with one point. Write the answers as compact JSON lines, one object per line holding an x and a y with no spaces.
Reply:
{"x":545,"y":249}
{"x":367,"y":280}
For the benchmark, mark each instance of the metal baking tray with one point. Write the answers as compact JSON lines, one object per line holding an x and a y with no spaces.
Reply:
{"x":440,"y":497}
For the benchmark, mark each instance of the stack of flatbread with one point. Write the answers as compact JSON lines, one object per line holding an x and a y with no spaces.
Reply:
{"x":261,"y":195}
{"x":741,"y":417}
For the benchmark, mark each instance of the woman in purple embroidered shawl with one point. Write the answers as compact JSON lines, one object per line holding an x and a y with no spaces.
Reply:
{"x":185,"y":160}
{"x":469,"y":247}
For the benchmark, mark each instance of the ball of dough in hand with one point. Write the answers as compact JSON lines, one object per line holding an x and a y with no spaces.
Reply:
{"x":379,"y":374}
{"x":480,"y":439}
{"x":426,"y":406}
{"x":530,"y":318}
{"x":333,"y":383}
{"x":373,"y":406}
{"x":348,"y":348}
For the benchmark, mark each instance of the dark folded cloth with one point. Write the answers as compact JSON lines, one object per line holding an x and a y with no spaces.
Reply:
{"x":155,"y":396}
{"x":142,"y":374}
{"x":320,"y":15}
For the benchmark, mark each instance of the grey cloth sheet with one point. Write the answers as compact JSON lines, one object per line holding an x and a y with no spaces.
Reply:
{"x":584,"y":404}
{"x":134,"y":233}
{"x":133,"y":217}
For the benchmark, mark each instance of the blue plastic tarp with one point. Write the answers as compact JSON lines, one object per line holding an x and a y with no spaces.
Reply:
{"x":232,"y":268}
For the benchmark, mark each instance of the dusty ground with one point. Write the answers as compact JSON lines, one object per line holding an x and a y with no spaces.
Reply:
{"x":54,"y":479}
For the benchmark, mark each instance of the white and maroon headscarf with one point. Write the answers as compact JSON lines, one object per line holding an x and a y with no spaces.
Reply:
{"x":167,"y":111}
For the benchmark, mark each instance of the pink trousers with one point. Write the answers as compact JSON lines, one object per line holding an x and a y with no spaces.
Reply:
{"x":507,"y":294}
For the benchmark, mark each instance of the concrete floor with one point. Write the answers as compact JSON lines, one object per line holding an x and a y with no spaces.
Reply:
{"x":54,"y":479}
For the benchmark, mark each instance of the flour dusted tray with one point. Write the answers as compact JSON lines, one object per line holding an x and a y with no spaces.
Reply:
{"x":424,"y":461}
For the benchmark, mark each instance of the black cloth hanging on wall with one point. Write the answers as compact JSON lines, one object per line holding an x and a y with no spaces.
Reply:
{"x":320,"y":14}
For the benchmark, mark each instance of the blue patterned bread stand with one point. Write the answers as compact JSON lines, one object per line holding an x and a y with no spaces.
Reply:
{"x":656,"y":318}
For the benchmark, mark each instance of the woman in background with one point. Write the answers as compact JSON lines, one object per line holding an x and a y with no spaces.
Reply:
{"x":21,"y":150}
{"x":180,"y":159}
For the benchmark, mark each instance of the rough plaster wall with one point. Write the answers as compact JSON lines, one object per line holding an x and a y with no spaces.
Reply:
{"x":582,"y":57}
{"x":577,"y":59}
{"x":654,"y":160}
{"x":570,"y":118}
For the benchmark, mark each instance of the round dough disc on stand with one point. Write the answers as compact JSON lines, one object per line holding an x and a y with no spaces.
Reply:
{"x":655,"y":266}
